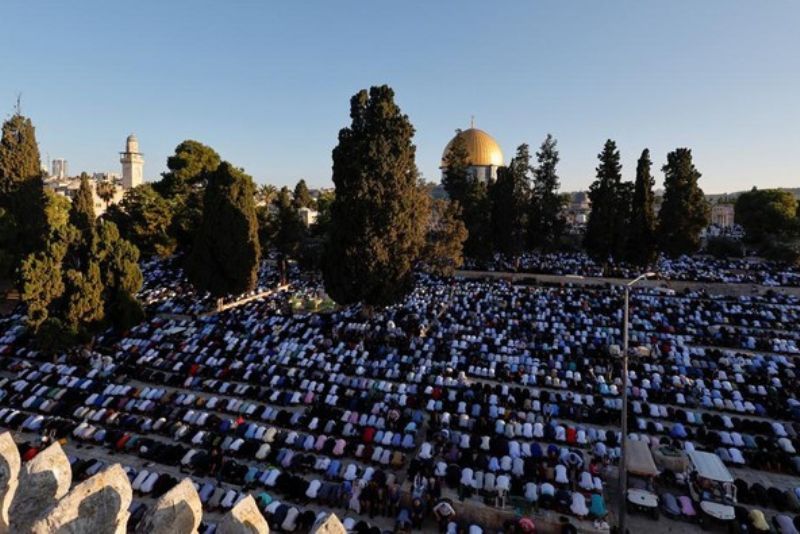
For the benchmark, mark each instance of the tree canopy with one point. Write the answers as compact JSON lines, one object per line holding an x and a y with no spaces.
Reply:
{"x":606,"y":229}
{"x":145,"y":218}
{"x":684,"y":212}
{"x":379,"y":214}
{"x":766,"y":214}
{"x":510,"y":197}
{"x":188,"y":168}
{"x":444,"y":245}
{"x":302,"y":197}
{"x":225,"y":255}
{"x":22,"y":197}
{"x":642,"y":243}
{"x":546,"y":220}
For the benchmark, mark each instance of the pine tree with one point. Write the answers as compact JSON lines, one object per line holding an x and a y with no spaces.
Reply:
{"x":144,"y":217}
{"x":379,"y":214}
{"x":684,"y":211}
{"x":642,"y":245}
{"x":444,"y":245}
{"x":225,"y":255}
{"x":188,"y":169}
{"x":606,"y":229}
{"x":302,"y":198}
{"x":184,"y":184}
{"x":510,"y":196}
{"x":546,"y":207}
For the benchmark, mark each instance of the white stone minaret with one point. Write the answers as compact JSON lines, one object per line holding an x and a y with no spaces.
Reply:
{"x":132,"y":164}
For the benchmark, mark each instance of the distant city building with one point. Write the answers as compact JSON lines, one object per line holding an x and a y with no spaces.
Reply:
{"x":722,"y":215}
{"x":69,"y":186}
{"x":58,"y":168}
{"x":132,"y":164}
{"x":576,"y":211}
{"x":308,"y":216}
{"x":483,"y":153}
{"x":113,"y":177}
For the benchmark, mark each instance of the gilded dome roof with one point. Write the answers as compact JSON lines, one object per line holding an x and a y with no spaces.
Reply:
{"x":482,"y":149}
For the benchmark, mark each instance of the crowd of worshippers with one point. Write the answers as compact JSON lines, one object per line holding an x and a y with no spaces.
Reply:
{"x":165,"y":288}
{"x":479,"y":391}
{"x":698,"y":268}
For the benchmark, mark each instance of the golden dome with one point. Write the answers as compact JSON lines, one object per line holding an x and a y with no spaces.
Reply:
{"x":482,"y":149}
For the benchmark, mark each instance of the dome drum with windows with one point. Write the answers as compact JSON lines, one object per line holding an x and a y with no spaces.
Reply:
{"x":483,"y":153}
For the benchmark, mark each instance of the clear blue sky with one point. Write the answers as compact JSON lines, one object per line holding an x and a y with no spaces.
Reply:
{"x":267,"y":84}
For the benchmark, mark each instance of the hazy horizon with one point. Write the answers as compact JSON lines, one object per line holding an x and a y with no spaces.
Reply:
{"x":268,"y":86}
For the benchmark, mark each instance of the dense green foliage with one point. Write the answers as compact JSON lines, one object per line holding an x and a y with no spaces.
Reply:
{"x":302,"y":198}
{"x":767,"y":214}
{"x":546,"y":221}
{"x":145,"y":218}
{"x":106,"y":191}
{"x":22,"y":197}
{"x":642,"y":244}
{"x":188,"y":169}
{"x":82,"y":278}
{"x":225,"y":255}
{"x":509,"y":196}
{"x":379,"y":215}
{"x":606,"y":229}
{"x":684,"y":212}
{"x":444,"y":245}
{"x":472,"y":195}
{"x":289,"y":228}
{"x":184,"y":185}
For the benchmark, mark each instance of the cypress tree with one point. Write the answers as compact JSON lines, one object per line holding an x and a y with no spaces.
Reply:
{"x":510,"y":196}
{"x":472,"y":195}
{"x":290,"y":229}
{"x":22,"y":197}
{"x":606,"y":229}
{"x":456,"y":172}
{"x":302,"y":198}
{"x":546,"y":216}
{"x":225,"y":255}
{"x":121,"y":276}
{"x":81,"y":217}
{"x":684,"y":211}
{"x":379,"y":213}
{"x":19,"y":157}
{"x":642,"y":245}
{"x":444,"y":244}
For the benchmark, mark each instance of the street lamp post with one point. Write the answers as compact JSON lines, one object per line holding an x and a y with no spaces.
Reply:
{"x":623,"y":472}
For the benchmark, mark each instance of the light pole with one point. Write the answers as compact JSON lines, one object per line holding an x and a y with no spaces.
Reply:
{"x":623,"y":472}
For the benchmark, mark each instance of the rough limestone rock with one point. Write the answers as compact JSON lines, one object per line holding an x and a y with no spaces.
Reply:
{"x":178,"y":511}
{"x":9,"y":473}
{"x":98,"y":505}
{"x":42,"y":482}
{"x":328,"y":524}
{"x":244,"y":518}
